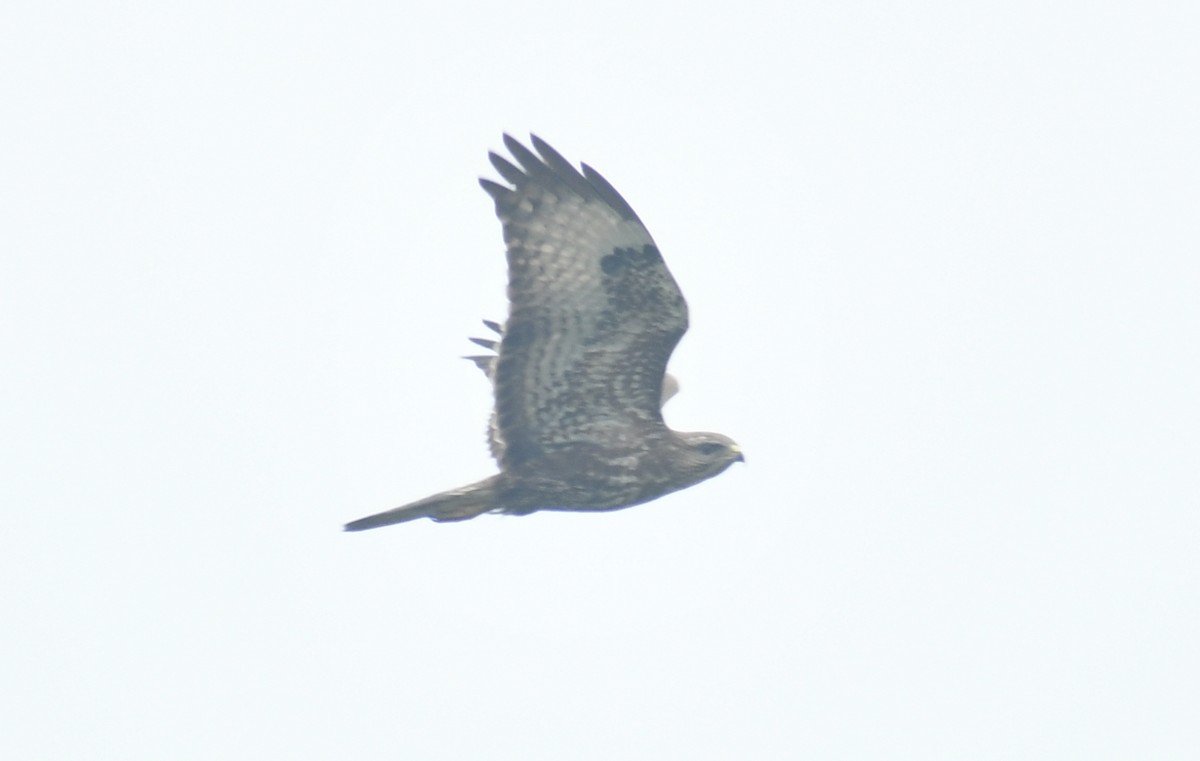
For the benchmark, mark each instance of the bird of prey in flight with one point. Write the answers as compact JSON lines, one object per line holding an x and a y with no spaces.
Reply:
{"x":579,"y":370}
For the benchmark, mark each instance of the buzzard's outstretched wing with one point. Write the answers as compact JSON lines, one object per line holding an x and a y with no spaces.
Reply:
{"x":593,"y":312}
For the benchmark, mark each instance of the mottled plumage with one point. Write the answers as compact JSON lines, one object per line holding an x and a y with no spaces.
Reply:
{"x":579,"y":373}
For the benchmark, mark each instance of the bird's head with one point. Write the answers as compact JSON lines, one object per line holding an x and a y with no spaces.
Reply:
{"x":707,"y":454}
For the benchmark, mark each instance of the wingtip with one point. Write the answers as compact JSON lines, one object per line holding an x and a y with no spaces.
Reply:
{"x":540,"y":145}
{"x":508,"y":170}
{"x":609,"y":193}
{"x":510,"y":141}
{"x":486,"y":343}
{"x":494,"y":189}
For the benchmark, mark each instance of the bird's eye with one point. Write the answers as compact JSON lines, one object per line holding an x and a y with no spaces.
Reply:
{"x":711,"y":447}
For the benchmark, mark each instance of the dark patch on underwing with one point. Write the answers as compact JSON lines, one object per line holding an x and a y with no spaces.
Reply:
{"x":612,"y":263}
{"x":629,"y":257}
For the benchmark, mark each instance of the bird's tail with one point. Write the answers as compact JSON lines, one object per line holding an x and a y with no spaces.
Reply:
{"x":454,"y":505}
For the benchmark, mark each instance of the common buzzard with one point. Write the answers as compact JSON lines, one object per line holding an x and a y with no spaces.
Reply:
{"x":579,"y":373}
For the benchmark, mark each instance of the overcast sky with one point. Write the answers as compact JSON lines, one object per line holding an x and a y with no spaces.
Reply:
{"x":943,"y":263}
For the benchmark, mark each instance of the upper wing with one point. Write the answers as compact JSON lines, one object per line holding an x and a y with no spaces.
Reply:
{"x":593,"y":312}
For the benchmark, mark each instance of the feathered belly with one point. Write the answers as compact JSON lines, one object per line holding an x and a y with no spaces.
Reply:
{"x":586,"y":483}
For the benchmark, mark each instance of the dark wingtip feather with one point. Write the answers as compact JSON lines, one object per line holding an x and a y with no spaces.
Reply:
{"x":528,"y":160}
{"x":552,"y":157}
{"x":506,"y":168}
{"x":494,"y":189}
{"x":563,"y":170}
{"x":609,"y":193}
{"x":550,"y":168}
{"x":486,"y":343}
{"x":493,"y":326}
{"x":483,"y":362}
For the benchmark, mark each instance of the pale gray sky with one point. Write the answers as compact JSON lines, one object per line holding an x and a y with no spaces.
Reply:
{"x":942,"y":261}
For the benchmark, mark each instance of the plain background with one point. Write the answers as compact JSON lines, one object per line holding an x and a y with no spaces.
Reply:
{"x":942,"y":264}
